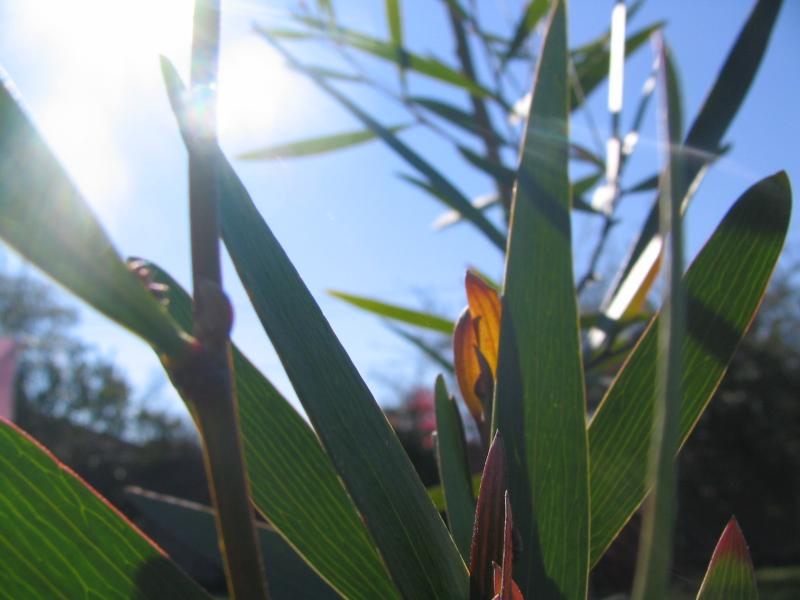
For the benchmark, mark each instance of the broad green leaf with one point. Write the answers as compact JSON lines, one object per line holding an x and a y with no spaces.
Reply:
{"x":451,"y":453}
{"x":724,"y":287}
{"x":192,"y":526}
{"x":730,"y":574}
{"x":539,"y":403}
{"x":292,"y":480}
{"x":591,"y":61}
{"x":60,"y":539}
{"x":313,"y":146}
{"x":45,"y":219}
{"x":444,"y":189}
{"x":705,"y":135}
{"x":655,"y":546}
{"x":397,"y":313}
{"x":354,"y":431}
{"x":534,"y":11}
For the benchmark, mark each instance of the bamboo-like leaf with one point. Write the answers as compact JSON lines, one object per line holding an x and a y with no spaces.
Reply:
{"x":429,"y":350}
{"x":730,"y":574}
{"x":317,"y":145}
{"x":500,"y":173}
{"x":705,"y":135}
{"x":724,"y":287}
{"x":487,"y":536}
{"x":192,"y":526}
{"x":534,"y":11}
{"x":397,"y":313}
{"x":293,"y":482}
{"x":45,"y":219}
{"x":60,"y":539}
{"x":354,"y":431}
{"x":445,"y":190}
{"x":451,"y":451}
{"x":395,"y":19}
{"x":539,"y":403}
{"x":457,"y":116}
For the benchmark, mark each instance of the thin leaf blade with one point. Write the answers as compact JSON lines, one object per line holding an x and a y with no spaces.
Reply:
{"x":397,"y":313}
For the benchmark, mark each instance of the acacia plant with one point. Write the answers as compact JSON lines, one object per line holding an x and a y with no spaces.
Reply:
{"x":340,"y":493}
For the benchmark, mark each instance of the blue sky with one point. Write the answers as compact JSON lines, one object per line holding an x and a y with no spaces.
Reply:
{"x":90,"y":79}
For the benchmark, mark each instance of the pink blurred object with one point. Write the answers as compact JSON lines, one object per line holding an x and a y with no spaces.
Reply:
{"x":8,"y":366}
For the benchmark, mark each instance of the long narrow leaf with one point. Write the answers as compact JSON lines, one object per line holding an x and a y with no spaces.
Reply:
{"x":446,"y":191}
{"x":451,"y":453}
{"x":705,"y":135}
{"x":351,"y":426}
{"x":539,"y":403}
{"x":314,"y":146}
{"x":60,"y":539}
{"x":534,"y":11}
{"x":397,"y":313}
{"x":724,"y":287}
{"x":293,"y":481}
{"x":45,"y":219}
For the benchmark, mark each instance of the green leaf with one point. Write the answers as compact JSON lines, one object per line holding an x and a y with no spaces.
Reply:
{"x":398,"y":313}
{"x":724,"y":287}
{"x":293,"y":482}
{"x":500,"y":173}
{"x":705,"y":135}
{"x":45,"y":219}
{"x":730,"y":574}
{"x":430,"y":67}
{"x":317,"y":145}
{"x":591,"y":61}
{"x":451,"y":454}
{"x":445,"y":190}
{"x":394,"y":16}
{"x":431,"y":352}
{"x":539,"y":403}
{"x":192,"y":526}
{"x":354,"y":431}
{"x":535,"y":10}
{"x":457,"y":116}
{"x":60,"y":539}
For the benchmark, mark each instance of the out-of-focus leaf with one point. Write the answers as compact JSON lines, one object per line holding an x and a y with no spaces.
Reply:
{"x":354,"y":431}
{"x":591,"y":61}
{"x":457,"y":116}
{"x":318,"y":145}
{"x":430,"y":67}
{"x":539,"y":403}
{"x":292,"y":480}
{"x":397,"y":313}
{"x":451,"y":451}
{"x":644,"y":185}
{"x":453,"y":217}
{"x":444,"y":189}
{"x":730,"y":574}
{"x":60,"y":539}
{"x":433,"y":353}
{"x":487,"y":536}
{"x":45,"y":219}
{"x":705,"y":135}
{"x":534,"y":11}
{"x":395,"y":19}
{"x":192,"y":526}
{"x":500,"y":173}
{"x":724,"y":287}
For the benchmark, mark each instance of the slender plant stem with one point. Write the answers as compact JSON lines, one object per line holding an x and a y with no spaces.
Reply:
{"x":207,"y":378}
{"x":655,"y":546}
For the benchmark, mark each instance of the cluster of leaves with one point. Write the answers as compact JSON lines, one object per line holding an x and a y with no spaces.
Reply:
{"x":341,"y":492}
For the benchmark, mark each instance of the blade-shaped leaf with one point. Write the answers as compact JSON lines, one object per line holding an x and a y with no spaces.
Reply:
{"x":45,"y":219}
{"x":191,"y":527}
{"x":730,"y":574}
{"x":534,"y":11}
{"x":426,"y":348}
{"x":457,"y":116}
{"x":444,"y":189}
{"x":351,"y":426}
{"x":451,"y":453}
{"x":705,"y":135}
{"x":539,"y":402}
{"x":60,"y":539}
{"x":724,"y":287}
{"x":318,"y":145}
{"x":397,"y":313}
{"x":292,"y":480}
{"x":487,"y":536}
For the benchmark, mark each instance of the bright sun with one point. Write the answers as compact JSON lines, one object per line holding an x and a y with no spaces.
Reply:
{"x":100,"y":62}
